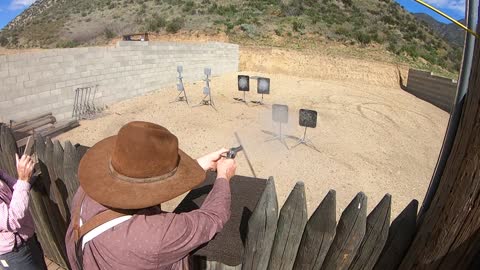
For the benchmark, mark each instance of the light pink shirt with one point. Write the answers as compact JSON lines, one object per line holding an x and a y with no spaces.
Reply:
{"x":14,"y":214}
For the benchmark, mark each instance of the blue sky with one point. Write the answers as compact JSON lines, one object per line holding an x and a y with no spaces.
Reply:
{"x":455,"y":8}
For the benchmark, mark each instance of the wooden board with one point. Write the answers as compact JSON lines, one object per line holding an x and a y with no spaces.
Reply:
{"x":318,"y":235}
{"x":448,"y":237}
{"x":349,"y":235}
{"x":70,"y":170}
{"x":378,"y":224}
{"x":400,"y":237}
{"x":290,"y":226}
{"x":261,"y":230}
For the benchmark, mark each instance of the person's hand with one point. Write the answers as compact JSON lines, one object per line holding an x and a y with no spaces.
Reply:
{"x":209,"y":162}
{"x":25,"y":166}
{"x":226,"y":168}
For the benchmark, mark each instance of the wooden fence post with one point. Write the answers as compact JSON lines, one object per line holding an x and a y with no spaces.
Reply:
{"x":290,"y":226}
{"x":400,"y":236}
{"x":318,"y":235}
{"x":70,"y":169}
{"x":261,"y":230}
{"x":449,"y":237}
{"x":350,"y":232}
{"x":378,"y":223}
{"x":8,"y":149}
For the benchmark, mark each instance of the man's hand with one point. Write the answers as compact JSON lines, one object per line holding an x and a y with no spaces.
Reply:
{"x":25,"y":166}
{"x":226,"y":168}
{"x":209,"y":162}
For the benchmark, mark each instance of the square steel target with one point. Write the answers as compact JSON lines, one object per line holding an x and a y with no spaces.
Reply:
{"x":207,"y":71}
{"x":263,"y":86}
{"x":206,"y":90}
{"x":179,"y":69}
{"x":243,"y":83}
{"x":308,"y":118}
{"x":180,"y":87}
{"x":280,"y":113}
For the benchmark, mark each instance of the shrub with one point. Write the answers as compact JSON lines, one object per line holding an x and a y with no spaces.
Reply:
{"x":109,"y":34}
{"x":175,"y":25}
{"x":156,"y":23}
{"x":3,"y":41}
{"x":278,"y":32}
{"x":298,"y":26}
{"x":67,"y":44}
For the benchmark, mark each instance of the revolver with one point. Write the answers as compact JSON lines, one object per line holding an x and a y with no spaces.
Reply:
{"x":232,"y":153}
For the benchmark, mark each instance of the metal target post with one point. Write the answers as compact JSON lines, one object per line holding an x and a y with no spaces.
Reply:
{"x":182,"y":95}
{"x":307,"y":119}
{"x":207,"y":98}
{"x":263,"y":88}
{"x":280,"y":116}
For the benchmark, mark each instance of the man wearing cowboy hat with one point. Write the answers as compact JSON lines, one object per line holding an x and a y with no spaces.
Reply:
{"x":116,"y":219}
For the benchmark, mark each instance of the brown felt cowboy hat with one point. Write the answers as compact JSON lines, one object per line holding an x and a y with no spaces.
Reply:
{"x":140,"y":167}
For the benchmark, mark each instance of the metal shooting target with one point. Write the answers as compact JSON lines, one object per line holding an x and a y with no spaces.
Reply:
{"x":280,"y":113}
{"x":207,"y":71}
{"x":180,"y":87}
{"x":263,"y":86}
{"x":206,"y":90}
{"x":179,"y":69}
{"x":308,"y":118}
{"x":243,"y":83}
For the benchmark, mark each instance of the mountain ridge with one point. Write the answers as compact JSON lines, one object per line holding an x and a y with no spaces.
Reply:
{"x":284,"y":23}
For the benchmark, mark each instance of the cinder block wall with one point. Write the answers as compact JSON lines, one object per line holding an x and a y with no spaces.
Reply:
{"x":45,"y":81}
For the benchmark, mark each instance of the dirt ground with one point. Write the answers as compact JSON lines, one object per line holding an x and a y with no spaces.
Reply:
{"x":371,"y":137}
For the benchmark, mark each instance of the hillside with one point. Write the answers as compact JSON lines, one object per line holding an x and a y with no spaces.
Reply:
{"x":284,"y":23}
{"x":450,"y":32}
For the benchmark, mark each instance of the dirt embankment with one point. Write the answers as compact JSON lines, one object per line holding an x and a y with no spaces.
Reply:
{"x":314,"y":64}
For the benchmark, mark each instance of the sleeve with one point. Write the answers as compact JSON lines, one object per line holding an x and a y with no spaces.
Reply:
{"x":11,"y":216}
{"x":179,"y":234}
{"x":11,"y":181}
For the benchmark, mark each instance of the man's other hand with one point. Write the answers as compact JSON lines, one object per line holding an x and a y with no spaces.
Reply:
{"x":209,"y":162}
{"x":25,"y":166}
{"x":226,"y":168}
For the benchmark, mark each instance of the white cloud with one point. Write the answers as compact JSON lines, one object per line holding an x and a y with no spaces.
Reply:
{"x":19,"y":4}
{"x":455,"y":5}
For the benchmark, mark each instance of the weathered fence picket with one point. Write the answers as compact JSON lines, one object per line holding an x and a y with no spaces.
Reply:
{"x":378,"y":222}
{"x":318,"y":235}
{"x":292,"y":220}
{"x":400,"y":236}
{"x":350,"y":232}
{"x":261,"y":230}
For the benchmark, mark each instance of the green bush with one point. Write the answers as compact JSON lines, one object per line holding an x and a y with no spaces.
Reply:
{"x":363,"y":37}
{"x":175,"y":25}
{"x":156,"y":23}
{"x":67,"y":44}
{"x":109,"y":34}
{"x":298,"y":26}
{"x":278,"y":32}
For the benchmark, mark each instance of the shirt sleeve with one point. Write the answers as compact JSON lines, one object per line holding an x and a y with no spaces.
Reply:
{"x":11,"y":216}
{"x":11,"y":181}
{"x":179,"y":234}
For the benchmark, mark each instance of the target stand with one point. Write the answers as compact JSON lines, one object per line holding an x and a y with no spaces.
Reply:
{"x":207,"y":92}
{"x":307,"y":119}
{"x":263,"y":88}
{"x":243,"y":86}
{"x":182,"y":94}
{"x":280,"y":116}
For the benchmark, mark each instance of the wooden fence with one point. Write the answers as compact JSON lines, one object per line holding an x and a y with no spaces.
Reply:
{"x":436,"y":90}
{"x":275,"y":240}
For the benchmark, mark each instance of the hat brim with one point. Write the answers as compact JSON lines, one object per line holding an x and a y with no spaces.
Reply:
{"x":98,"y":183}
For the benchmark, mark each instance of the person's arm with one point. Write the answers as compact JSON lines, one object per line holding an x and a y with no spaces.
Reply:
{"x":9,"y":180}
{"x":173,"y":236}
{"x":11,"y":215}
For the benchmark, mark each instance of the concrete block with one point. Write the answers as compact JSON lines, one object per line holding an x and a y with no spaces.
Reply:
{"x":19,"y":100}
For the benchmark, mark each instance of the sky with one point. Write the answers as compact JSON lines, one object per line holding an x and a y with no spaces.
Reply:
{"x":9,"y":9}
